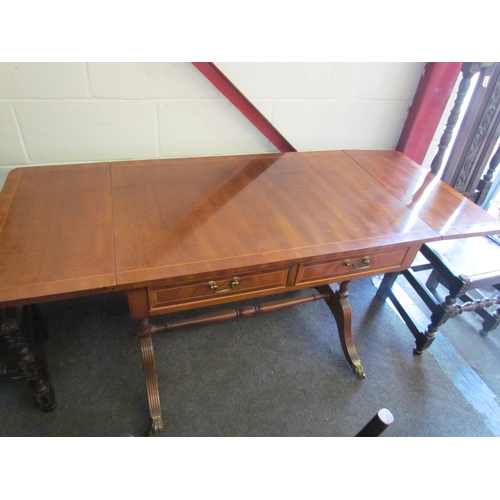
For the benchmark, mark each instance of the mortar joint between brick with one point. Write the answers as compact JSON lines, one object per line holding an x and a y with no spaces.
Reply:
{"x":88,"y":82}
{"x":158,"y":146}
{"x":21,"y":135}
{"x":330,"y":79}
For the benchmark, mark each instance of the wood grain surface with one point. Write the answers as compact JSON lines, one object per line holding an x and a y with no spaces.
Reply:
{"x":86,"y":228}
{"x":174,"y":218}
{"x":57,"y":232}
{"x":439,"y":205}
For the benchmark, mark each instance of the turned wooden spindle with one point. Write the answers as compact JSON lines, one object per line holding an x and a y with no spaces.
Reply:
{"x":468,"y":71}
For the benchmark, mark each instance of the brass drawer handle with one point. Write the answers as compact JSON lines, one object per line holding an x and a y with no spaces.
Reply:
{"x":234,"y":283}
{"x":364,"y":260}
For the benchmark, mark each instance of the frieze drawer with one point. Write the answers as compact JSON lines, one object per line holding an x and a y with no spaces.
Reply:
{"x":214,"y":290}
{"x":351,"y":266}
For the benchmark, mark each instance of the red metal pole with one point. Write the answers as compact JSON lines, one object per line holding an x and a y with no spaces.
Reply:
{"x":229,"y":90}
{"x":429,"y":103}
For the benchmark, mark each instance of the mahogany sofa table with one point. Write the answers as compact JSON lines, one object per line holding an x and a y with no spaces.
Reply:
{"x":179,"y":234}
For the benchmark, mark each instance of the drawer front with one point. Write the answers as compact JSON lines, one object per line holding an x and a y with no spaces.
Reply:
{"x":213,"y":290}
{"x":352,"y":266}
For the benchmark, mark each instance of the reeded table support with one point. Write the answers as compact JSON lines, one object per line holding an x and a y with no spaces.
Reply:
{"x":336,"y":299}
{"x":150,"y":376}
{"x":338,"y":302}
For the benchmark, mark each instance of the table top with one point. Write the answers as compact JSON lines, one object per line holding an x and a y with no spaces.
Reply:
{"x":72,"y":229}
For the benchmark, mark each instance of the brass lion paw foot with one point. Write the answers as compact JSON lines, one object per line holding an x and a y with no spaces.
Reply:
{"x":156,"y":427}
{"x":358,"y":370}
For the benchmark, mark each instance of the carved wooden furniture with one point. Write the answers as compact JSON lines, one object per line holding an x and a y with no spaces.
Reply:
{"x":468,"y":72}
{"x":21,"y":343}
{"x":476,"y":138}
{"x":180,"y":234}
{"x":478,"y":256}
{"x":468,"y":263}
{"x":460,"y":265}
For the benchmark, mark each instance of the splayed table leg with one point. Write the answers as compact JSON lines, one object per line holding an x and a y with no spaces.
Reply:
{"x":338,"y":302}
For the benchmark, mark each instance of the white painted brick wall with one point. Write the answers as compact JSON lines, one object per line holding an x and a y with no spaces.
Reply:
{"x":197,"y":127}
{"x":148,"y":81}
{"x":11,"y":148}
{"x":43,"y":81}
{"x":375,"y":81}
{"x":87,"y":130}
{"x":82,"y":112}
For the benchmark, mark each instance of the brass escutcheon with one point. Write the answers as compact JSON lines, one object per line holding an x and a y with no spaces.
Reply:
{"x":365,"y":260}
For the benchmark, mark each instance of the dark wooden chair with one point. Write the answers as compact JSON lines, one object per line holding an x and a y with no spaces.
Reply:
{"x":470,"y":263}
{"x":460,"y":266}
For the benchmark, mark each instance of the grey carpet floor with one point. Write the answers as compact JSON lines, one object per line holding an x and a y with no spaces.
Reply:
{"x":277,"y":374}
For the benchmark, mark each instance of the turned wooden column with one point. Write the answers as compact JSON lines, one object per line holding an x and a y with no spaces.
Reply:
{"x":442,"y":313}
{"x":468,"y":71}
{"x":476,"y":140}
